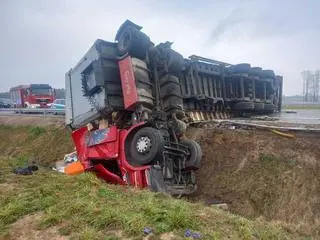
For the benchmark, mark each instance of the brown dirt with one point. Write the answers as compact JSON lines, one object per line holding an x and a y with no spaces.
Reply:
{"x":168,"y":236}
{"x":26,"y":229}
{"x":164,"y":236}
{"x":259,"y":174}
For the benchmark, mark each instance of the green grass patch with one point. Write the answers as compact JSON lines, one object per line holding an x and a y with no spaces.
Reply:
{"x":84,"y":207}
{"x":272,"y":160}
{"x":269,"y":158}
{"x":43,"y":145}
{"x":37,"y":131}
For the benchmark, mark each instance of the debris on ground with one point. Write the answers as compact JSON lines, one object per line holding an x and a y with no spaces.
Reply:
{"x":194,"y":235}
{"x":28,"y":170}
{"x":59,"y":167}
{"x":147,"y":230}
{"x":223,"y":206}
{"x":256,"y":124}
{"x":289,"y":111}
{"x":288,"y":135}
{"x":74,"y":168}
{"x":71,"y":157}
{"x":264,"y":118}
{"x":67,"y":160}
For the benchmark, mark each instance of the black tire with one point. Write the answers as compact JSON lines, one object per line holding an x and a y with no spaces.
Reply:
{"x":134,"y":42}
{"x":244,"y":106}
{"x":269,"y":107}
{"x":170,"y":92}
{"x":147,"y":151}
{"x":175,"y":62}
{"x":258,"y":106}
{"x":194,"y":159}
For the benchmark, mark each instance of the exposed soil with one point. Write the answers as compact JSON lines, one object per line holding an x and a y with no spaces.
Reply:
{"x":26,"y":229}
{"x":259,"y":174}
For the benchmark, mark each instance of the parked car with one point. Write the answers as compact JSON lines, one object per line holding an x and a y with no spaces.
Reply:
{"x":58,"y":104}
{"x":5,"y":103}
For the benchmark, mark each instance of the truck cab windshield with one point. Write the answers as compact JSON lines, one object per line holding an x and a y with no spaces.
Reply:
{"x":41,"y":91}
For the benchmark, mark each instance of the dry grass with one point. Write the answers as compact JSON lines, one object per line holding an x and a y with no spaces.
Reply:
{"x":43,"y":145}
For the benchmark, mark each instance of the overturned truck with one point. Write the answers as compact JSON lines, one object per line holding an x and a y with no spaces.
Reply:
{"x":129,"y":103}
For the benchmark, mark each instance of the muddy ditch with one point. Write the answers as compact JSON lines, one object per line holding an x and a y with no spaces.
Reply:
{"x":260,"y":174}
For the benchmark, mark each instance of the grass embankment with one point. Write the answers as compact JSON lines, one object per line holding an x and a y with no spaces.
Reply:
{"x":52,"y":205}
{"x":301,"y":107}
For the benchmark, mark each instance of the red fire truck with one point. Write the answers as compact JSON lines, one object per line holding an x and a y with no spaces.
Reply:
{"x":32,"y":96}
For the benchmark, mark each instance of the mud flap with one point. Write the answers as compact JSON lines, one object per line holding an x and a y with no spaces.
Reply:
{"x":155,"y":179}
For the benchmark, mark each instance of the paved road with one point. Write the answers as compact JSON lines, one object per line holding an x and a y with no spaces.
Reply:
{"x":303,"y":116}
{"x":5,"y":111}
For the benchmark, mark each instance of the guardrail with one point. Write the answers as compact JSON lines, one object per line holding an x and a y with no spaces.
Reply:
{"x":33,"y":111}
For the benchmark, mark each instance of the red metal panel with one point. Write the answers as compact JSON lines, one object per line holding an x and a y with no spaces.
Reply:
{"x":105,"y":147}
{"x":108,"y":176}
{"x":109,"y":145}
{"x":136,"y":176}
{"x":128,"y":83}
{"x":79,"y":140}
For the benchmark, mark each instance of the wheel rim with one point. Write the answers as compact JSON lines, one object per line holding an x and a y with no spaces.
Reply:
{"x":143,"y":144}
{"x":125,"y":41}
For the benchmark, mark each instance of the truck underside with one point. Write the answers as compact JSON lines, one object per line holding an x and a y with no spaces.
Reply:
{"x":129,"y":103}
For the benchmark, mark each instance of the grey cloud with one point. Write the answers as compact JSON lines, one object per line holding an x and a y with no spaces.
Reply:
{"x":271,"y":18}
{"x":40,"y":40}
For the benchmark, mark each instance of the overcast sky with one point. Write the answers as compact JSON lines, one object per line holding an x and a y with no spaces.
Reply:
{"x":41,"y":40}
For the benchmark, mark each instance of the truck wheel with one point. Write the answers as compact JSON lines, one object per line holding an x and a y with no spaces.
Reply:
{"x":259,"y":106}
{"x":134,"y":42}
{"x":175,"y":62}
{"x":269,"y":107}
{"x":194,"y":159}
{"x":146,"y":144}
{"x":244,"y":106}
